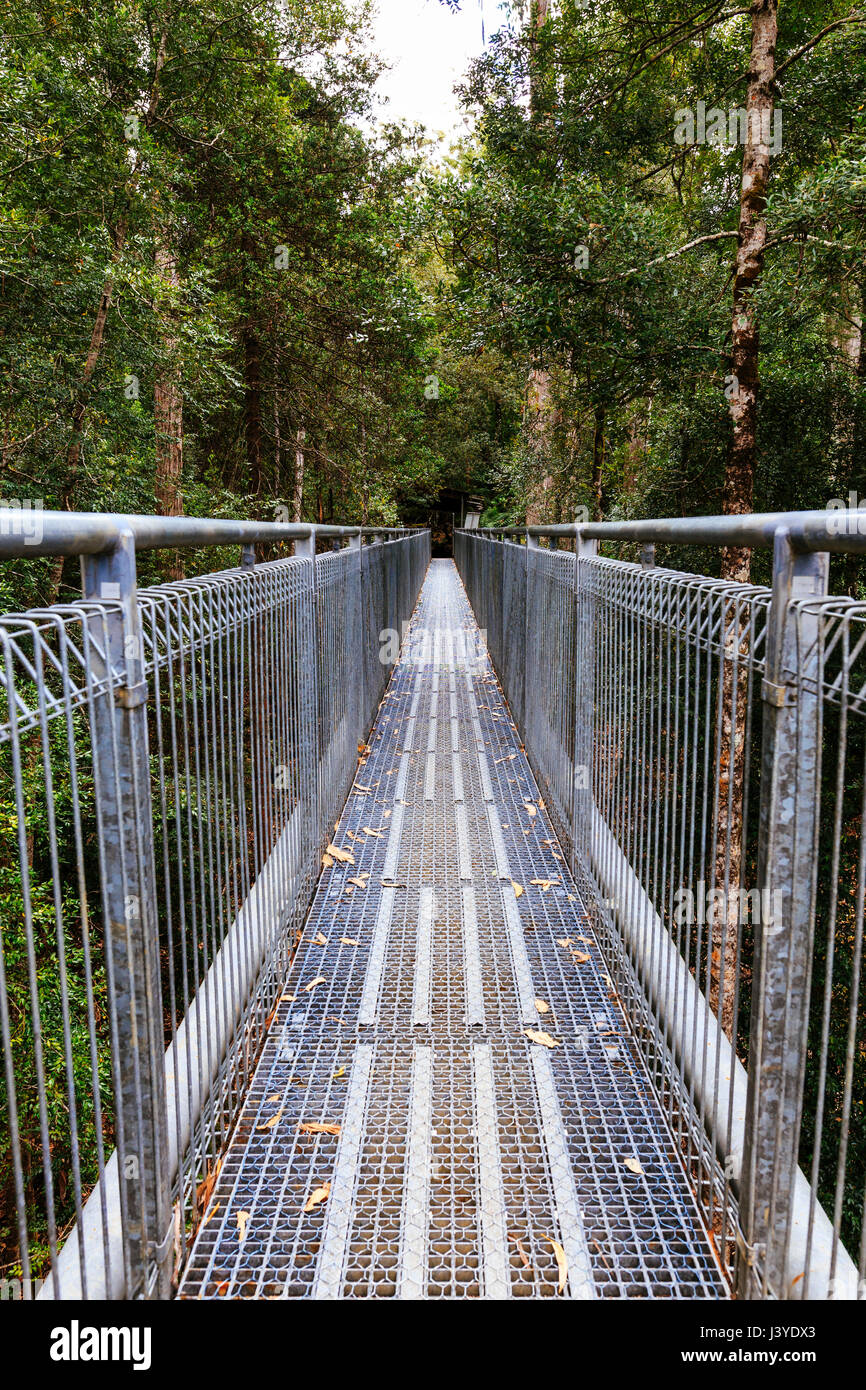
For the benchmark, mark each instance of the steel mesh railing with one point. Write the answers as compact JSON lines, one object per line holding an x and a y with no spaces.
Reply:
{"x":700,"y":745}
{"x":171,"y":764}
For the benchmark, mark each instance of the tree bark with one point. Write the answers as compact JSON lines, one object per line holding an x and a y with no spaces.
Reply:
{"x":253,"y":405}
{"x":740,"y":473}
{"x":738,"y":498}
{"x":538,"y":424}
{"x":298,"y":502}
{"x":598,"y":464}
{"x":168,"y":404}
{"x":538,"y":415}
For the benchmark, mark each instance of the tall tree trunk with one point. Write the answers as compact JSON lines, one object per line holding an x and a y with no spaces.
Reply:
{"x":538,"y":414}
{"x":598,"y":464}
{"x":539,"y":421}
{"x":738,"y":498}
{"x":97,"y":335}
{"x":168,"y":403}
{"x":298,"y":502}
{"x":740,"y":473}
{"x":253,"y":405}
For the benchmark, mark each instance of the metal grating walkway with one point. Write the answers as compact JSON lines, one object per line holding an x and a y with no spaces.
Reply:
{"x":465,"y":1152}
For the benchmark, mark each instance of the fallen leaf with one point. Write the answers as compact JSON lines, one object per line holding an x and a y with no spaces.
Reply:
{"x":544,"y":883}
{"x":343,"y":855}
{"x":360,"y":882}
{"x":327,"y":861}
{"x":530,"y":809}
{"x":222,"y":1288}
{"x":213,"y":1211}
{"x":542,"y":1007}
{"x":319,"y":980}
{"x":368,"y":830}
{"x":242,"y":1219}
{"x":561,"y":1262}
{"x":338,"y":1074}
{"x":274,"y":1120}
{"x":270,"y":1100}
{"x":518,"y":888}
{"x":313,"y":1127}
{"x":633,"y":1165}
{"x":543,"y":1039}
{"x":563,"y":941}
{"x":315,"y":1199}
{"x":524,"y":1258}
{"x":348,"y":941}
{"x":320,"y":940}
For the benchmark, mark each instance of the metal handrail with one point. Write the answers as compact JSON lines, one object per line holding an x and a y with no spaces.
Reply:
{"x":830,"y":529}
{"x":93,"y":533}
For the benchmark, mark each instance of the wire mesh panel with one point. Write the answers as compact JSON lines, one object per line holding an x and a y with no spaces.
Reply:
{"x":57,"y":1007}
{"x":171,"y":765}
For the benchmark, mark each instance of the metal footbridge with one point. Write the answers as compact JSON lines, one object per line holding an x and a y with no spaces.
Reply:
{"x":449,"y":1019}
{"x":380,"y":927}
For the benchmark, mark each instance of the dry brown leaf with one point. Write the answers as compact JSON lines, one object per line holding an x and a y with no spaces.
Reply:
{"x":369,"y":830}
{"x":544,"y":883}
{"x":561,"y":1262}
{"x":242,"y":1219}
{"x":530,"y":809}
{"x":524,"y":1258}
{"x":313,"y":1127}
{"x":270,"y":1100}
{"x":222,"y":1288}
{"x":580,"y":957}
{"x":274,"y":1120}
{"x":315,"y":1199}
{"x":542,"y":1006}
{"x":360,"y":882}
{"x":633,"y":1166}
{"x":349,"y":941}
{"x":543,"y":1039}
{"x":320,"y":940}
{"x":518,"y":888}
{"x":327,"y":861}
{"x":319,"y":980}
{"x":563,"y":941}
{"x":344,"y":856}
{"x":213,"y":1211}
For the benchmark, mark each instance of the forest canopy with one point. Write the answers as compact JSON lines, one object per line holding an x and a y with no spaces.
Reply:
{"x":226,"y":289}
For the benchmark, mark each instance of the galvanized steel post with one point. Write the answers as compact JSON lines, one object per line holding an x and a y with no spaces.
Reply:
{"x":783,"y":946}
{"x":305,"y":549}
{"x":123,"y":794}
{"x":584,"y":732}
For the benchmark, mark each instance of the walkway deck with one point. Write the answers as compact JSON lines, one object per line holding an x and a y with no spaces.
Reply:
{"x":465,"y":1152}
